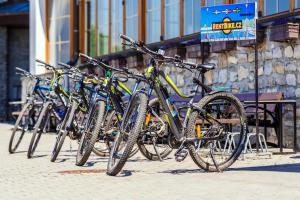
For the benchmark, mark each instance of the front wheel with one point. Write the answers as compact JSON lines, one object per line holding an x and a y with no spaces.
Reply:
{"x":218,"y":117}
{"x":126,"y":137}
{"x":20,"y":128}
{"x":39,"y":128}
{"x":91,"y":134}
{"x":63,"y":131}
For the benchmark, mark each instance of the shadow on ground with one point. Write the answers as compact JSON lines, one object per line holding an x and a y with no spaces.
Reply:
{"x":295,"y":168}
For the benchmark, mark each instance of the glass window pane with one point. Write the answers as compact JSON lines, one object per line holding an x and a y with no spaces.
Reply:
{"x":297,"y":3}
{"x":172,"y":18}
{"x":117,"y":25}
{"x":103,"y":26}
{"x":276,"y":6}
{"x":283,"y":5}
{"x":64,"y":52}
{"x":192,"y":12}
{"x":132,"y":18}
{"x":270,"y":7}
{"x":214,"y":2}
{"x":153,"y":21}
{"x":245,"y":1}
{"x":59,"y":31}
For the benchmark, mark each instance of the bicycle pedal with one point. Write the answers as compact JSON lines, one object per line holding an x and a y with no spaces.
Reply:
{"x":181,"y":155}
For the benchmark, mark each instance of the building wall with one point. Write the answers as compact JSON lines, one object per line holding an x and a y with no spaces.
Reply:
{"x":3,"y":73}
{"x":279,"y":71}
{"x":14,"y":48}
{"x":18,"y":47}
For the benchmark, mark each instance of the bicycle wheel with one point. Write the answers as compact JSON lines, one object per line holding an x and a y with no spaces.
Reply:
{"x":154,"y":140}
{"x":63,"y":131}
{"x":105,"y":143}
{"x":39,"y":128}
{"x":20,"y":128}
{"x":91,"y":133}
{"x":224,"y":114}
{"x":131,"y":127}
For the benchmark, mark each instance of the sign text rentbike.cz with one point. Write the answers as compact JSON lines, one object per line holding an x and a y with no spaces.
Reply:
{"x":228,"y":22}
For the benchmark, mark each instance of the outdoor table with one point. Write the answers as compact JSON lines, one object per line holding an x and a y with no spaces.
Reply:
{"x":280,"y":103}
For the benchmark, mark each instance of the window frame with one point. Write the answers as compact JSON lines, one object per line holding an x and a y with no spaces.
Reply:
{"x":71,"y":31}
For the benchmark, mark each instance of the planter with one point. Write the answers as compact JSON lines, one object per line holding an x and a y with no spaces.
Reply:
{"x":180,"y":51}
{"x":135,"y":61}
{"x":220,"y":47}
{"x":284,"y":32}
{"x":118,"y":62}
{"x":194,"y":51}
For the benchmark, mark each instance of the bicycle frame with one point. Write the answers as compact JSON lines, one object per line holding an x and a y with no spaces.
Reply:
{"x":171,"y":113}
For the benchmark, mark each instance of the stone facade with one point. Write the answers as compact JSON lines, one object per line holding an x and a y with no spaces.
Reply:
{"x":3,"y":73}
{"x":14,"y":48}
{"x":279,"y":71}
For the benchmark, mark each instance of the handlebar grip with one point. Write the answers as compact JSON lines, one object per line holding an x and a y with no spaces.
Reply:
{"x":126,"y":38}
{"x":64,"y":65}
{"x":19,"y":69}
{"x":85,"y":56}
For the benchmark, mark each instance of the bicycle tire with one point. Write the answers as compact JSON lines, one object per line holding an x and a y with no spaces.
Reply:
{"x":98,"y":111}
{"x":139,"y":102}
{"x":12,"y":148}
{"x":145,"y":152}
{"x":191,"y":130}
{"x":63,"y":132}
{"x":38,"y":129}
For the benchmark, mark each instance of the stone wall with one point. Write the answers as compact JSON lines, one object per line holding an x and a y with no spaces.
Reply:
{"x":14,"y":48}
{"x":3,"y":73}
{"x":279,"y":70}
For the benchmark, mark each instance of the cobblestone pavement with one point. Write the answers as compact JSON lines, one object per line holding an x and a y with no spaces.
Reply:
{"x":38,"y":178}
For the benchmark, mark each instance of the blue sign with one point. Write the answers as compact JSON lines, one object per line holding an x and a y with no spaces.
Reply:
{"x":228,"y":22}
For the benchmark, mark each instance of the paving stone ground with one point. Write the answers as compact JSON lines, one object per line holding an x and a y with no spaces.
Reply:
{"x":38,"y":178}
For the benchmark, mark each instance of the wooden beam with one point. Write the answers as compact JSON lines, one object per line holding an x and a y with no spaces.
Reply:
{"x":82,"y":26}
{"x":124,"y":19}
{"x":162,"y":25}
{"x":181,"y":17}
{"x":292,"y":5}
{"x":71,"y":32}
{"x":141,"y":20}
{"x":109,"y":26}
{"x":97,"y":35}
{"x":261,"y":6}
{"x":202,"y":3}
{"x":46,"y":31}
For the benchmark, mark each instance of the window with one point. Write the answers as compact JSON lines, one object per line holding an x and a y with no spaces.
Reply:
{"x":192,"y":12}
{"x":276,"y":6}
{"x":91,"y":31}
{"x":297,"y":3}
{"x":116,"y":24}
{"x":214,"y":2}
{"x":59,"y":31}
{"x":172,"y":18}
{"x":103,"y":27}
{"x":132,"y":18}
{"x":153,"y":13}
{"x":246,"y":1}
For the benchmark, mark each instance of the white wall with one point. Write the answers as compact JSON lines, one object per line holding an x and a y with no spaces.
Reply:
{"x":37,"y":35}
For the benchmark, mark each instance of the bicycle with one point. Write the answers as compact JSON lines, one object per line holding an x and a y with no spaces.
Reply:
{"x":27,"y":117}
{"x":206,"y":124}
{"x":53,"y":107}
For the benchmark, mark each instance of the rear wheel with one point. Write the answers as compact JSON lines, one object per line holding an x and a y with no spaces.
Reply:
{"x":21,"y":126}
{"x":154,"y":142}
{"x":224,"y":115}
{"x":131,"y":127}
{"x":39,"y":128}
{"x":63,"y":131}
{"x":91,"y":133}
